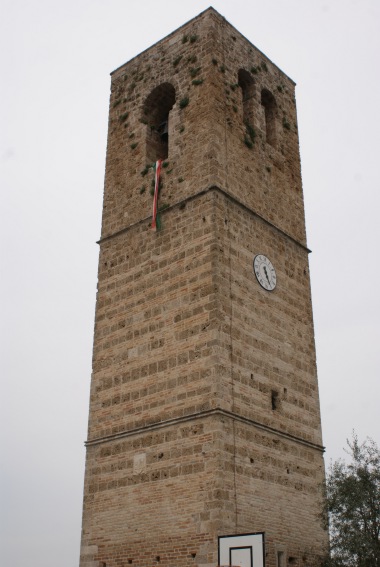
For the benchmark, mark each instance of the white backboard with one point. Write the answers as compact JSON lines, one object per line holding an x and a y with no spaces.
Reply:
{"x":246,"y":550}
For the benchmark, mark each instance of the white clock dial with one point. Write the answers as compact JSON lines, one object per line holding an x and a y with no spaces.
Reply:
{"x":264,"y":272}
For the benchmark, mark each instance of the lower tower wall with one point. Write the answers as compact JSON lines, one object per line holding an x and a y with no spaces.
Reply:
{"x":153,"y":495}
{"x":162,"y":497}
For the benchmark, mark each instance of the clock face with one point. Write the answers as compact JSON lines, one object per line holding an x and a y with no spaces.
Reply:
{"x":264,"y":272}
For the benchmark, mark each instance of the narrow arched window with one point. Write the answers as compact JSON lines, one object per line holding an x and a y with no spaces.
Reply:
{"x":247,"y":85}
{"x":156,"y":112}
{"x":270,"y":107}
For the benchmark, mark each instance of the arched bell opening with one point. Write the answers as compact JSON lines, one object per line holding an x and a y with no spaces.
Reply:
{"x":247,"y":86}
{"x":270,"y":108}
{"x":156,"y":113}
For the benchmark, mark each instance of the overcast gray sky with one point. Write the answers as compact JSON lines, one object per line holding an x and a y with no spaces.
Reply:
{"x":55,"y":62}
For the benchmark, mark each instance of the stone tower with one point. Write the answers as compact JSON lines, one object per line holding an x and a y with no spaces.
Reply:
{"x":204,"y":412}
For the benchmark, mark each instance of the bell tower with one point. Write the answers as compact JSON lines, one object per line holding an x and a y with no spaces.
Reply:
{"x":204,"y":427}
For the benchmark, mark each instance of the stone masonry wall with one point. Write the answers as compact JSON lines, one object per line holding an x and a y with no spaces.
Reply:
{"x":269,"y":335}
{"x":155,"y":325}
{"x":273,"y":485}
{"x":151,"y":496}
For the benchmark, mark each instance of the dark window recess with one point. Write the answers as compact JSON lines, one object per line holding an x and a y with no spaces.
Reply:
{"x":275,"y":400}
{"x":156,"y":113}
{"x":270,"y":108}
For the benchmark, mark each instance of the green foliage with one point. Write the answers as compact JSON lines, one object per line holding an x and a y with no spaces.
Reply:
{"x":248,"y":142}
{"x":184,"y":102}
{"x":353,"y":507}
{"x":250,"y":135}
{"x":255,"y":70}
{"x":193,"y":38}
{"x":214,"y":61}
{"x":185,"y":38}
{"x":123,"y":117}
{"x":285,"y":123}
{"x":194,"y":71}
{"x":264,"y":66}
{"x":134,"y":145}
{"x":116,"y":103}
{"x":177,"y":60}
{"x":146,"y":169}
{"x":197,"y":81}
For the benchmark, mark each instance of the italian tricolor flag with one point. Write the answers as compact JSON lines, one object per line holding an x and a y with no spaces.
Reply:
{"x":155,"y":197}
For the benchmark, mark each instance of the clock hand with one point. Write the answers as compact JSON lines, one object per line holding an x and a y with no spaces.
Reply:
{"x":266,"y":274}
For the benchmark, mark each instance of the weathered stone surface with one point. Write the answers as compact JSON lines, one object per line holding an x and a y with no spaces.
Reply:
{"x":204,"y":412}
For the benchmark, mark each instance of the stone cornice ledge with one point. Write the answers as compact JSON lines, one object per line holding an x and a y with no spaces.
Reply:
{"x":201,"y":415}
{"x":195,"y":196}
